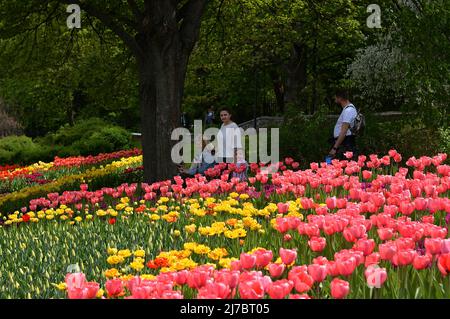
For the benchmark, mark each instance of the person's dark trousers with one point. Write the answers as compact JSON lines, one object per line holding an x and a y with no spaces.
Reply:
{"x":348,"y":145}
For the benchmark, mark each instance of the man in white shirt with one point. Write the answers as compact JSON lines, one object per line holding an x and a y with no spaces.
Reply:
{"x":343,"y":139}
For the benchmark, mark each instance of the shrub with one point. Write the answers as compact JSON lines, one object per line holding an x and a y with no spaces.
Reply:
{"x":106,"y":140}
{"x":87,"y":137}
{"x":305,"y":139}
{"x":21,"y":150}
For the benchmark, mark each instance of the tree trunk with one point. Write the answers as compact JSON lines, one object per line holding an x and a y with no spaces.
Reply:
{"x":161,"y":80}
{"x":296,"y":74}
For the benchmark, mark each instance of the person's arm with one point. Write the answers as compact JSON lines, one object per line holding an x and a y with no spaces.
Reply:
{"x":340,"y":139}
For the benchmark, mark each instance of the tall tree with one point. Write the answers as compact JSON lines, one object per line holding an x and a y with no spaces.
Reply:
{"x":160,"y":34}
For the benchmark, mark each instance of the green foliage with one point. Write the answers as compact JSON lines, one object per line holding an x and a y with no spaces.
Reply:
{"x":248,"y":48}
{"x":107,"y":139}
{"x":20,"y":149}
{"x":305,"y":139}
{"x":445,"y":140}
{"x":52,"y":75}
{"x":88,"y":137}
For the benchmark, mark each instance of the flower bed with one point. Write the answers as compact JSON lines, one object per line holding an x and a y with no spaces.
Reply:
{"x":364,"y":229}
{"x":14,"y":178}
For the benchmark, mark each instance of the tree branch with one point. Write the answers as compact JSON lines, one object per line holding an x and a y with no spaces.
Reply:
{"x":190,"y":15}
{"x":108,"y":20}
{"x":136,"y":11}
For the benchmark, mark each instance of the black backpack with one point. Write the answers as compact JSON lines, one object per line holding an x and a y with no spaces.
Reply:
{"x":359,"y":123}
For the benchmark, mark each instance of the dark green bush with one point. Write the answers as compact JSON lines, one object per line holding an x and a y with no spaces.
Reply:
{"x":107,"y":139}
{"x":305,"y":139}
{"x":89,"y":137}
{"x":20,"y":150}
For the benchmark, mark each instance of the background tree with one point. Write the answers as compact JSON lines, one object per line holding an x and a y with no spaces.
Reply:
{"x":160,"y":34}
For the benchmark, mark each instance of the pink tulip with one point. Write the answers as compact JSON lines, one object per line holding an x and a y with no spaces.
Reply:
{"x":318,"y":272}
{"x":114,"y":287}
{"x":280,"y":289}
{"x":276,"y":270}
{"x":253,"y":289}
{"x":317,"y":244}
{"x":346,"y":266}
{"x":385,"y":233}
{"x":288,"y":256}
{"x":263,"y":258}
{"x":75,"y":280}
{"x":248,"y":260}
{"x":375,"y":276}
{"x":297,"y":296}
{"x":228,"y":277}
{"x":372,"y":259}
{"x":197,"y":278}
{"x":387,"y":251}
{"x":282,"y":208}
{"x":365,"y":245}
{"x":339,"y":288}
{"x":302,"y":281}
{"x":214,"y":290}
{"x":181,"y":277}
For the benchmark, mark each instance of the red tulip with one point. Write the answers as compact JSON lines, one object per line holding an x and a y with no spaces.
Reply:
{"x":433,"y":245}
{"x":421,"y":262}
{"x":444,"y":264}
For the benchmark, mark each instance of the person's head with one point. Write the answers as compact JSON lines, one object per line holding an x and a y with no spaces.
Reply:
{"x":341,"y":97}
{"x":225,"y":115}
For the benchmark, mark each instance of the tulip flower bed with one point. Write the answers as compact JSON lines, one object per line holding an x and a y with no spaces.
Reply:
{"x":353,"y":229}
{"x":126,"y":168}
{"x":14,"y":178}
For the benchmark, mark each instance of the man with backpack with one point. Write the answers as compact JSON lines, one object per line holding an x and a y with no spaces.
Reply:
{"x":348,"y":125}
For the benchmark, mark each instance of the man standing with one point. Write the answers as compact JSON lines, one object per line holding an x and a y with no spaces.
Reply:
{"x":343,"y":139}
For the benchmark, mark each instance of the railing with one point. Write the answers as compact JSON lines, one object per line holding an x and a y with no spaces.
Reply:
{"x":266,"y":121}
